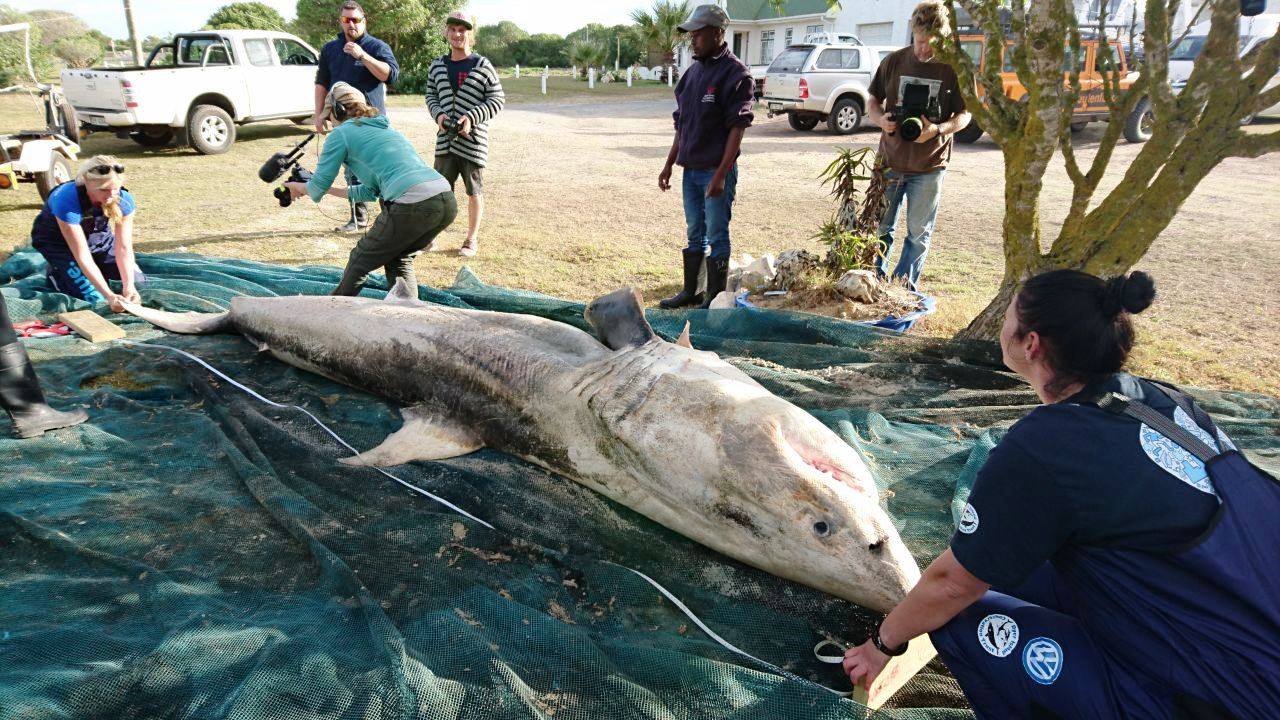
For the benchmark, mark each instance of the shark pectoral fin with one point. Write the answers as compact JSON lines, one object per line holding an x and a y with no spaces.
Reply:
{"x":683,"y":340}
{"x":403,"y":294}
{"x":422,"y":437}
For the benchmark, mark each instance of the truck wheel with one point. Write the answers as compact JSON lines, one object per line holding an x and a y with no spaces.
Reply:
{"x":1140,"y":123}
{"x":65,"y":114}
{"x":1078,"y":126}
{"x":152,"y":138}
{"x":845,"y":117}
{"x":59,"y":172}
{"x":970,"y":133}
{"x":802,"y":122}
{"x":210,"y":130}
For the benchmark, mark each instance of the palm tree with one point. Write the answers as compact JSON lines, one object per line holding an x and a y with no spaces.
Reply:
{"x":585,"y":55}
{"x":656,"y":28}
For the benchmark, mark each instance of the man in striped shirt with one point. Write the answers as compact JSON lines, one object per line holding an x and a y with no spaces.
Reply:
{"x":463,"y":94}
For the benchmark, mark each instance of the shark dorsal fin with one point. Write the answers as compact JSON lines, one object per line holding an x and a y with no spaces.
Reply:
{"x":402,"y":294}
{"x":618,"y":319}
{"x":683,"y":340}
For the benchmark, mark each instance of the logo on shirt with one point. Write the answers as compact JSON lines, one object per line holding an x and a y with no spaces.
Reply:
{"x":998,"y":635}
{"x":968,"y":520}
{"x":710,"y":95}
{"x":1042,"y":659}
{"x":1173,"y":458}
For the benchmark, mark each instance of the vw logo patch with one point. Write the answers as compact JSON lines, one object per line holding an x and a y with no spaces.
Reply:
{"x":968,"y":520}
{"x":1042,"y":658}
{"x":998,"y":635}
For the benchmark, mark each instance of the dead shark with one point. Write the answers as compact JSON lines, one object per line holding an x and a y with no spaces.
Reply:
{"x":676,"y":434}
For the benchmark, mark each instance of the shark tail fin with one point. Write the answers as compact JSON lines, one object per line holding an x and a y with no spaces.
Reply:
{"x":192,"y":323}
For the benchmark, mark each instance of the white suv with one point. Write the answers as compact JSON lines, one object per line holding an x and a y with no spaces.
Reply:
{"x":825,"y":81}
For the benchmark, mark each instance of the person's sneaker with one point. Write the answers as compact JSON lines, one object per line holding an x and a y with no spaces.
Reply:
{"x":350,"y":227}
{"x":468,"y":248}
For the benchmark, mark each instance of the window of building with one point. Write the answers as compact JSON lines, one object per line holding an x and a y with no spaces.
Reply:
{"x":787,"y":35}
{"x":812,"y":29}
{"x":766,"y":46}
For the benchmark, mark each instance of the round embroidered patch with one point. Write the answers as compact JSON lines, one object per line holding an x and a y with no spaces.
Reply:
{"x":998,"y":635}
{"x":1042,"y":658}
{"x":968,"y":520}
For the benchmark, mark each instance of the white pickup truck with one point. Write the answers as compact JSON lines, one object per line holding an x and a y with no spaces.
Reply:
{"x":813,"y":82}
{"x":198,"y":88}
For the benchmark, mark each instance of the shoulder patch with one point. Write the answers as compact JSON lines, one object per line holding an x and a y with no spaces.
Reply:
{"x":1042,"y":658}
{"x":1173,"y":459}
{"x":998,"y":635}
{"x":968,"y":520}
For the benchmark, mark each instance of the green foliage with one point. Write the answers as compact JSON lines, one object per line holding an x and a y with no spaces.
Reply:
{"x":150,"y":42}
{"x":57,"y":25}
{"x":852,"y":234}
{"x":413,"y":28}
{"x":13,"y":64}
{"x":619,"y":41}
{"x":499,"y":42}
{"x":585,"y":54}
{"x":656,"y":28}
{"x":79,"y":52}
{"x":246,"y":16}
{"x":541,"y":50}
{"x":847,"y":250}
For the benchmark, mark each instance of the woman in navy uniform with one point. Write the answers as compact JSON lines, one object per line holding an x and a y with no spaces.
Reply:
{"x":1117,"y":557}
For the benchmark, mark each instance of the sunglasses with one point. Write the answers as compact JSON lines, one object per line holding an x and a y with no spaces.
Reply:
{"x":352,"y":21}
{"x":105,"y":170}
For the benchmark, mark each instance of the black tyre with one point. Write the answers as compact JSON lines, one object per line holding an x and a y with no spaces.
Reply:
{"x":1140,"y":123}
{"x":65,"y":115}
{"x":302,"y":120}
{"x":153,"y":138}
{"x":970,"y":133}
{"x":845,"y":117}
{"x":59,"y":172}
{"x":1078,"y":126}
{"x":210,"y":130}
{"x":803,"y":122}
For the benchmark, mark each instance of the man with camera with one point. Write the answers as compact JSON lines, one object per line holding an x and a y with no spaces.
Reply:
{"x":463,"y":95}
{"x":367,"y":64}
{"x":915,"y":99}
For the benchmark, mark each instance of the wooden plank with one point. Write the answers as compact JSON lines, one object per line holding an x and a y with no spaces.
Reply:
{"x":91,"y":326}
{"x":896,"y":673}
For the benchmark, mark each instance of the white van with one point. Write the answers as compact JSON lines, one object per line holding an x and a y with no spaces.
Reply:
{"x":1253,"y":32}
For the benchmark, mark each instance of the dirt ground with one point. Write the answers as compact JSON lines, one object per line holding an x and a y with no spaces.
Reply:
{"x":573,"y":210}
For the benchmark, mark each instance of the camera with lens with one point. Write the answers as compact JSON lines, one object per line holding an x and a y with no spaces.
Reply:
{"x":451,"y":126}
{"x":285,"y":162}
{"x":914,"y":107}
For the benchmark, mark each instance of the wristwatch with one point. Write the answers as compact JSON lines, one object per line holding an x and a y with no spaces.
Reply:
{"x":891,"y":652}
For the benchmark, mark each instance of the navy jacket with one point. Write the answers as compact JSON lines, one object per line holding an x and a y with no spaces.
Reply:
{"x":713,"y":96}
{"x":337,"y":66}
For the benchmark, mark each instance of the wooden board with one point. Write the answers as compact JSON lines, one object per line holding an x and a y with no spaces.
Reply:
{"x":91,"y":326}
{"x":896,"y":674}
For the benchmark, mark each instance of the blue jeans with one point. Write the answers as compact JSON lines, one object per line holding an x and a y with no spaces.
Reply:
{"x":922,"y":193}
{"x":707,"y":219}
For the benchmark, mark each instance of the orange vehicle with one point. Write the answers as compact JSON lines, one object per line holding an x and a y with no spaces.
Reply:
{"x":1092,"y":106}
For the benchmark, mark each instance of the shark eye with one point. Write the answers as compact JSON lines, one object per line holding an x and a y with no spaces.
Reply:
{"x":876,"y":546}
{"x":821,"y":528}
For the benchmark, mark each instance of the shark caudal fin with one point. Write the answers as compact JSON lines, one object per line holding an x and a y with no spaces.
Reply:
{"x":192,"y":323}
{"x":618,"y":319}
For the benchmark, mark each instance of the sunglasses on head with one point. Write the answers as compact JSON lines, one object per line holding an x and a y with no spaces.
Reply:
{"x":106,"y":170}
{"x":352,"y":21}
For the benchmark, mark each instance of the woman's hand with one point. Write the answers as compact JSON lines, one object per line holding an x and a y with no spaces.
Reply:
{"x":130,"y":295}
{"x":116,"y":302}
{"x":297,"y":190}
{"x":864,"y":664}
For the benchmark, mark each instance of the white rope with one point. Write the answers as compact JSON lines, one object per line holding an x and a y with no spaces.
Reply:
{"x":665,"y":593}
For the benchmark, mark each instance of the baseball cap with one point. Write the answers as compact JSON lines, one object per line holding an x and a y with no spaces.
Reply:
{"x":457,"y":17}
{"x":705,"y":16}
{"x":341,"y":92}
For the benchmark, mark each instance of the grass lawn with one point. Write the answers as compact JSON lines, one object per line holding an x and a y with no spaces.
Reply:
{"x":573,"y":210}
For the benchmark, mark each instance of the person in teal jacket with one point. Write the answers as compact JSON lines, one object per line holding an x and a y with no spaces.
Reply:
{"x":417,"y":202}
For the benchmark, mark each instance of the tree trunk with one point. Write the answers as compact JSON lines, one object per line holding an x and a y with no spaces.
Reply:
{"x":987,"y":325}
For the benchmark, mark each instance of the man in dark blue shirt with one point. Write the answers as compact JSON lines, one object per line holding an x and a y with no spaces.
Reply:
{"x":713,"y":110}
{"x":364,"y":62}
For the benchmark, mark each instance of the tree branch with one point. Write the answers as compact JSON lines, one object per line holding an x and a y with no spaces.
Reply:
{"x":1252,"y":145}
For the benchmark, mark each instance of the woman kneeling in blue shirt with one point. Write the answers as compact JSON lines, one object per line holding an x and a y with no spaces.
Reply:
{"x":417,"y":202}
{"x":85,"y":233}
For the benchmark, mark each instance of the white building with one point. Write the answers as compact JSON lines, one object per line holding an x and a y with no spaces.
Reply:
{"x":757,"y":34}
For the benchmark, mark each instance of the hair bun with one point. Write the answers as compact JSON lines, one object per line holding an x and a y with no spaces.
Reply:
{"x":1131,"y":293}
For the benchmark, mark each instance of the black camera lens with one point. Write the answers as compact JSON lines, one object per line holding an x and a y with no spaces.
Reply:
{"x":911,"y":129}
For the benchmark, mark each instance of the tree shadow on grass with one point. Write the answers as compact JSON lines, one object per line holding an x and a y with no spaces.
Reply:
{"x":106,"y":143}
{"x":250,"y":237}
